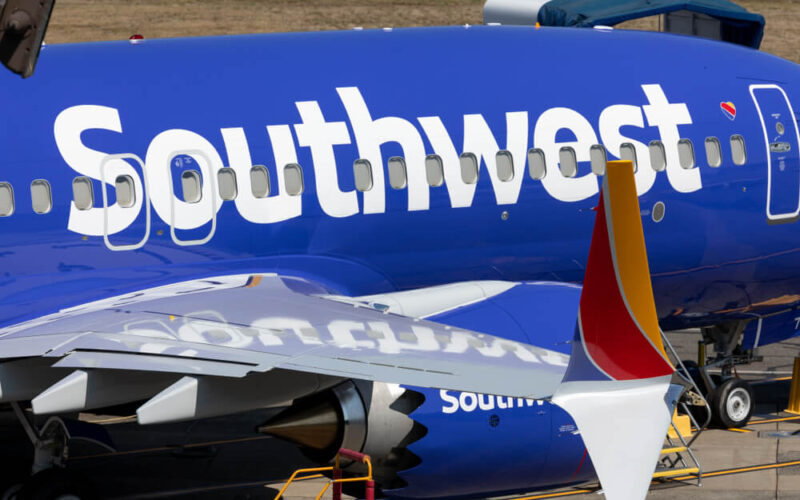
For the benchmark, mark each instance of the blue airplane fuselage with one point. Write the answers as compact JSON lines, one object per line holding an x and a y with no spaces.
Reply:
{"x":720,"y":238}
{"x":723,"y":249}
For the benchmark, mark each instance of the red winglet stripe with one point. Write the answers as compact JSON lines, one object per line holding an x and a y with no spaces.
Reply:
{"x":611,"y":337}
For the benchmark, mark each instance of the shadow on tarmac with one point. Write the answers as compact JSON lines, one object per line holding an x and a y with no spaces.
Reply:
{"x":219,"y":458}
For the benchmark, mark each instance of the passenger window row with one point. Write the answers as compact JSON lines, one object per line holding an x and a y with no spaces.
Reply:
{"x":434,"y":170}
{"x":568,"y":162}
{"x":537,"y":164}
{"x":41,"y":197}
{"x":191,"y":181}
{"x":191,"y":184}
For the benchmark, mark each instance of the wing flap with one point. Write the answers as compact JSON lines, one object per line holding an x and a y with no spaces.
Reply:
{"x":234,"y":325}
{"x":153,"y":363}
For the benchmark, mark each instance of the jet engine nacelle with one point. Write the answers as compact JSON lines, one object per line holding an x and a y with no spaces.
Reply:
{"x":368,"y":417}
{"x":428,"y":443}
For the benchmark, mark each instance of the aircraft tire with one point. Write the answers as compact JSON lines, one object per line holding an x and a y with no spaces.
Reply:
{"x":10,"y":492}
{"x":732,"y":403}
{"x":55,"y":484}
{"x":12,"y":478}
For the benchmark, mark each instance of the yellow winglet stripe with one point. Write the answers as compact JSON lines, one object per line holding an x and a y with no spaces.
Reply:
{"x":253,"y":281}
{"x":629,"y":249}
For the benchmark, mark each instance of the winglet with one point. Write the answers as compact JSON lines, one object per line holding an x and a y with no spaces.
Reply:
{"x":618,"y":374}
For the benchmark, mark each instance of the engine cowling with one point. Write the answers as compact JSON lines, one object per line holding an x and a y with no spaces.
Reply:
{"x":429,"y":443}
{"x":371,"y":418}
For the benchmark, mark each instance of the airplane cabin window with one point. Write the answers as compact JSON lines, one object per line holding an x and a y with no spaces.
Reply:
{"x":397,"y":172}
{"x":505,"y":165}
{"x":686,"y":153}
{"x":293,"y":179}
{"x":537,"y":166}
{"x":738,"y":151}
{"x":6,"y":199}
{"x":598,"y":157}
{"x":362,"y":171}
{"x":627,"y":151}
{"x":192,"y":186}
{"x":568,"y":161}
{"x":658,"y":156}
{"x":226,"y":179}
{"x":126,"y":193}
{"x":434,"y":171}
{"x":469,"y":168}
{"x":713,"y":152}
{"x":41,"y":196}
{"x":82,"y":193}
{"x":259,"y":181}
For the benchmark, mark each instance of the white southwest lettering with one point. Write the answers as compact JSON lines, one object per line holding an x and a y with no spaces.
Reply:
{"x":612,"y":119}
{"x":272,"y":208}
{"x":544,"y":137}
{"x":321,"y":136}
{"x":487,"y":404}
{"x":660,"y":113}
{"x":159,"y":178}
{"x":67,"y":129}
{"x":479,"y":140}
{"x":470,"y":401}
{"x":453,"y":401}
{"x":370,"y":135}
{"x":460,"y":193}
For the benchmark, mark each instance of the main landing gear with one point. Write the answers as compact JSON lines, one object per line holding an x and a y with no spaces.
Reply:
{"x":732,"y":403}
{"x":49,"y":479}
{"x":731,"y":399}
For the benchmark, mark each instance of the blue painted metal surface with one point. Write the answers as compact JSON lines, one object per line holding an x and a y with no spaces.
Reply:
{"x":478,"y":444}
{"x":538,"y":313}
{"x":770,"y":329}
{"x":526,"y":444}
{"x":712,"y":256}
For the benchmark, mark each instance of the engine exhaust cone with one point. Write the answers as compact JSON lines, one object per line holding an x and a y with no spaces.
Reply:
{"x":316,"y":424}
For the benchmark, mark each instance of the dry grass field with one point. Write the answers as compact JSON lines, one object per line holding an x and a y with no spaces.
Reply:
{"x":85,"y":20}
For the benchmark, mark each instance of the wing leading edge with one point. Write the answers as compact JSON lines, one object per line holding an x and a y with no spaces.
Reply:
{"x":240,"y":327}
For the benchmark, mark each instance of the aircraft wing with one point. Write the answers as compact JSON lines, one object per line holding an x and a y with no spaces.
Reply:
{"x":229,"y":327}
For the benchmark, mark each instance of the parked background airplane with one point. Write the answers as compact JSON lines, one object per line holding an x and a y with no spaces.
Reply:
{"x":376,"y":177}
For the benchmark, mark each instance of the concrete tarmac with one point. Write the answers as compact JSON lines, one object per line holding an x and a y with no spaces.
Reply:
{"x":223,"y":458}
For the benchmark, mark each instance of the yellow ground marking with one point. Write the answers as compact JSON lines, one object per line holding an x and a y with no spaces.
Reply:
{"x":771,"y":420}
{"x":794,"y":391}
{"x":767,"y":381}
{"x":739,"y":470}
{"x":675,"y":472}
{"x":556,"y":495}
{"x":721,"y":472}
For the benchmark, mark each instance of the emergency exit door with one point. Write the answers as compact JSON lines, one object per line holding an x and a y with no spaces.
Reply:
{"x":783,"y":151}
